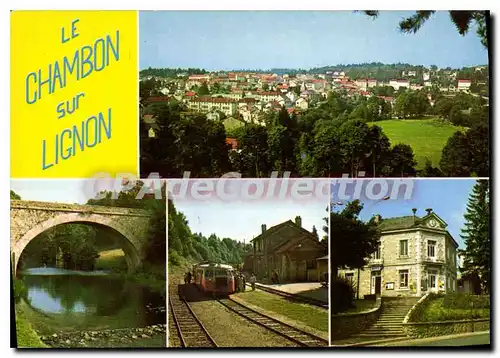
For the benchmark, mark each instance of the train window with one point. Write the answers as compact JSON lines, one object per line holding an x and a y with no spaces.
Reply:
{"x":221,"y":273}
{"x":208,"y":274}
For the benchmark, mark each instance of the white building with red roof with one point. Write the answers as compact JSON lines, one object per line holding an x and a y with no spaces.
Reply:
{"x":464,"y":85}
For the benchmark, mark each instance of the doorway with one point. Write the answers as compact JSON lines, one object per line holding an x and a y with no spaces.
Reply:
{"x":432,"y":276}
{"x":376,"y":283}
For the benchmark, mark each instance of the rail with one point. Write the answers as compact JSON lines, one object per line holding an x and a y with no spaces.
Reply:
{"x":190,"y":330}
{"x":287,"y":331}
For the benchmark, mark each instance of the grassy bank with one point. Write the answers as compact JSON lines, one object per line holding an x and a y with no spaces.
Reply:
{"x":153,"y":276}
{"x":113,"y":260}
{"x":25,"y":334}
{"x":427,"y":137}
{"x":311,"y":316}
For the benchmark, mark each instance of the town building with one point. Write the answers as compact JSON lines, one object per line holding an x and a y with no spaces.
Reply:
{"x":397,"y":84}
{"x":295,"y":253}
{"x":416,"y":255}
{"x":205,"y":104}
{"x":362,"y":83}
{"x":464,"y":85}
{"x":372,"y":82}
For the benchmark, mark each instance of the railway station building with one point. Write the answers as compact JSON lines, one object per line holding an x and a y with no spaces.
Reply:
{"x":296,"y":254}
{"x":416,"y":255}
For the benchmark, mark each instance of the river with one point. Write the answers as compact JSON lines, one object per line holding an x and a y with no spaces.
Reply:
{"x":68,"y":301}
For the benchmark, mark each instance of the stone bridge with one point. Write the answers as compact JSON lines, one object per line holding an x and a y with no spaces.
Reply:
{"x":28,"y":219}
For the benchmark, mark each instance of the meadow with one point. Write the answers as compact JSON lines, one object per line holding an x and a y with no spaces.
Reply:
{"x":427,"y":136}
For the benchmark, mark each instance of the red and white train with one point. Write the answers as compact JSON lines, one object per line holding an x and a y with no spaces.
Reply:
{"x":214,"y":278}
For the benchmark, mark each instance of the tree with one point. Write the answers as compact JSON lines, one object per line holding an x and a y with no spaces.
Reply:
{"x":380,"y":151}
{"x":402,"y":160}
{"x":265,"y":86}
{"x":352,"y":241}
{"x":354,"y":144}
{"x":461,"y":19}
{"x":254,"y":152}
{"x":443,"y":107}
{"x":325,"y":159}
{"x":14,"y":196}
{"x":203,"y":90}
{"x":429,"y":171}
{"x":156,"y":236}
{"x":467,"y":154}
{"x":476,"y":236}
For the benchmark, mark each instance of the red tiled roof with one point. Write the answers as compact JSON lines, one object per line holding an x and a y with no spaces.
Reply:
{"x":233,"y":142}
{"x":159,"y":99}
{"x":190,"y":93}
{"x":268,"y":93}
{"x":214,"y":99}
{"x":198,"y":77}
{"x":372,"y":80}
{"x":247,"y":100}
{"x":464,"y":81}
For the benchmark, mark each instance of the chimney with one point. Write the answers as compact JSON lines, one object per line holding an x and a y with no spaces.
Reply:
{"x":264,"y":228}
{"x":298,"y":221}
{"x":429,"y":211}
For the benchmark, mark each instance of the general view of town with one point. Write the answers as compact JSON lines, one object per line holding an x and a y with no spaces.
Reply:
{"x":364,"y":119}
{"x":419,"y":114}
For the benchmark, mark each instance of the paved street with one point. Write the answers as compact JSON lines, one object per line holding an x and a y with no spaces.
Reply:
{"x":446,"y":341}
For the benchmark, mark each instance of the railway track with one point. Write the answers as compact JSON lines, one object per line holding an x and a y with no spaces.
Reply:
{"x":293,"y":297}
{"x":190,"y":330}
{"x":293,"y":334}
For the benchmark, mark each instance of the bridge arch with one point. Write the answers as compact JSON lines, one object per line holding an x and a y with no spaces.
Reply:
{"x":131,"y":244}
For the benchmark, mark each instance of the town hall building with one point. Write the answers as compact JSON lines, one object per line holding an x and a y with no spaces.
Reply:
{"x":416,"y":255}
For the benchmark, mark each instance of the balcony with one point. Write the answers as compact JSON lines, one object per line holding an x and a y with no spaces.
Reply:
{"x":434,"y":260}
{"x":376,"y":262}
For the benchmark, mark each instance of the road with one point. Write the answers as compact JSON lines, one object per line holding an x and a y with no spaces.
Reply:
{"x":473,"y":339}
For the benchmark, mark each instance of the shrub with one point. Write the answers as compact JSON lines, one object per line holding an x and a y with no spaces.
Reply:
{"x":418,"y":313}
{"x":464,"y":300}
{"x":20,"y":291}
{"x":343,"y":293}
{"x":174,"y":258}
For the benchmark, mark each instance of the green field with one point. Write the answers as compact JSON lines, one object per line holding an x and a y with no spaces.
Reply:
{"x":232,"y":123}
{"x":427,"y":137}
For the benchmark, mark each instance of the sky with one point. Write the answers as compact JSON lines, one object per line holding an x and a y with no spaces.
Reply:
{"x":224,"y":40}
{"x":447,"y":197}
{"x":58,"y":191}
{"x":241,"y":221}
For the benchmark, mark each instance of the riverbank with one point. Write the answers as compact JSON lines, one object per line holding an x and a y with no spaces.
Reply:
{"x":111,"y":323}
{"x":26,"y":336}
{"x":153,"y":336}
{"x":153,"y":276}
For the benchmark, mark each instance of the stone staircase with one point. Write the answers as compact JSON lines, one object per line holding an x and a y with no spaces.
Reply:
{"x":388,"y":325}
{"x":390,"y":321}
